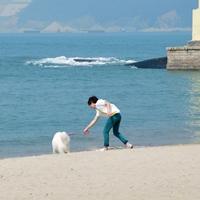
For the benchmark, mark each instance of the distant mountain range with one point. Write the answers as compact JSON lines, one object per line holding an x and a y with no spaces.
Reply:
{"x":96,"y":15}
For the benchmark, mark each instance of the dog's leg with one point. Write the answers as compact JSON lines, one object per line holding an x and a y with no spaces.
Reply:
{"x":55,"y":150}
{"x":61,"y":150}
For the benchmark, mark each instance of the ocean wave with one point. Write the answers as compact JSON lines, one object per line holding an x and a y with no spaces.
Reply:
{"x":63,"y":61}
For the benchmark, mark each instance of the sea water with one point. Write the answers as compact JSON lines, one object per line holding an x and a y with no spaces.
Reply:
{"x":44,"y":89}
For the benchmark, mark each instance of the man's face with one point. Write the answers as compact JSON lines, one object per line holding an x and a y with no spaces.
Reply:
{"x":93,"y":105}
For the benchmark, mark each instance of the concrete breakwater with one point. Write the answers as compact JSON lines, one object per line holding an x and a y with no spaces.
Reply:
{"x":184,"y":58}
{"x":187,"y":57}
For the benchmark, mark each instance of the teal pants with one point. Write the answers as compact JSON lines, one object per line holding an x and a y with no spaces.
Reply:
{"x":113,"y":122}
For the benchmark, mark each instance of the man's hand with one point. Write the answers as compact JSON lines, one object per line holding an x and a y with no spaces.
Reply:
{"x":86,"y":131}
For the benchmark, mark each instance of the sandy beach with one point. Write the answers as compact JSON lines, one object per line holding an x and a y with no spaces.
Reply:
{"x":169,"y":172}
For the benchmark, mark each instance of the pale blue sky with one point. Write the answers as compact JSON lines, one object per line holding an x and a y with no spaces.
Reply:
{"x":104,"y":10}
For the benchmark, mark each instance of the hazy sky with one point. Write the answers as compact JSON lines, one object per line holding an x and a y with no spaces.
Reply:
{"x":133,"y":13}
{"x":107,"y":9}
{"x":102,"y":9}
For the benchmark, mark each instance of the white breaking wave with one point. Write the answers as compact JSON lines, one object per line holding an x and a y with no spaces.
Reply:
{"x":62,"y":61}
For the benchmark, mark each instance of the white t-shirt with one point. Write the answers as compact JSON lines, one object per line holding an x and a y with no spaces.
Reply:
{"x":101,"y":108}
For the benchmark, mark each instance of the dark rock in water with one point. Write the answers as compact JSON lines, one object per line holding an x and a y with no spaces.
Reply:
{"x":156,"y":63}
{"x":84,"y":60}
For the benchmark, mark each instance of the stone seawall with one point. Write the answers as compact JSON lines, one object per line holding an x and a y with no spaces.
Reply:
{"x":183,"y":58}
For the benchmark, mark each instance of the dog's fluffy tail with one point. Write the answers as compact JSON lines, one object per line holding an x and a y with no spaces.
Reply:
{"x":64,"y":137}
{"x":64,"y":148}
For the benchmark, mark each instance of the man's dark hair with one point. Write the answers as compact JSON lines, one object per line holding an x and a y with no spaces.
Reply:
{"x":92,"y":99}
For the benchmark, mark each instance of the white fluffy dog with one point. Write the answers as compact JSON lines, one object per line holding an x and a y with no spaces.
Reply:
{"x":60,"y":142}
